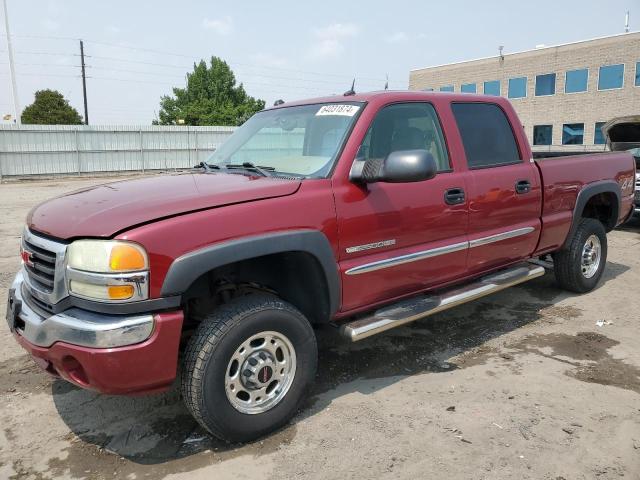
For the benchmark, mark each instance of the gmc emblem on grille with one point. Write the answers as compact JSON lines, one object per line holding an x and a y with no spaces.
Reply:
{"x":27,"y":257}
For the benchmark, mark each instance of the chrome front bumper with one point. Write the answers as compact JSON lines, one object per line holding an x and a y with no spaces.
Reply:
{"x":74,"y":325}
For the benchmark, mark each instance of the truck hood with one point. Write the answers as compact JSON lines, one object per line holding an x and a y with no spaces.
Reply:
{"x":104,"y":210}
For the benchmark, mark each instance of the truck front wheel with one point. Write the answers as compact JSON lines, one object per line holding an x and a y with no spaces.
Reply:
{"x":580,"y":265}
{"x":247,"y":367}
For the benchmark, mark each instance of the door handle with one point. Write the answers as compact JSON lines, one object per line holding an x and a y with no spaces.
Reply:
{"x":523,"y":186}
{"x":454,"y":196}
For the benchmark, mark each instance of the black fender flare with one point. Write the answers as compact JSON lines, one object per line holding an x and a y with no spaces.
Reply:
{"x":584,"y":195}
{"x":187,"y":268}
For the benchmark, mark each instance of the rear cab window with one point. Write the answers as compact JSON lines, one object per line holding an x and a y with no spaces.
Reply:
{"x":486,"y":134}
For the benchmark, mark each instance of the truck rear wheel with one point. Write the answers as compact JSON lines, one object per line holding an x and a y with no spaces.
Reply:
{"x":578,"y":268}
{"x":247,"y":367}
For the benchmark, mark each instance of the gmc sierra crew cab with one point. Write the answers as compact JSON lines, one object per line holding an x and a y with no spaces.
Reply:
{"x":364,"y":211}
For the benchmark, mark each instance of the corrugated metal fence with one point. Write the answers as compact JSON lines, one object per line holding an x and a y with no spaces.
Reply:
{"x":66,"y":149}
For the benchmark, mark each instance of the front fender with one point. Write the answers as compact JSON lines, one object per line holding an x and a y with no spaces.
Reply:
{"x":189,"y":267}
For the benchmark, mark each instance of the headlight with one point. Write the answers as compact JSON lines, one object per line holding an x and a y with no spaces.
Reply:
{"x":107,"y":270}
{"x":102,"y":256}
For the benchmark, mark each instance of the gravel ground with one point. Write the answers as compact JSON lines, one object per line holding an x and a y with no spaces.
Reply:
{"x":522,"y":384}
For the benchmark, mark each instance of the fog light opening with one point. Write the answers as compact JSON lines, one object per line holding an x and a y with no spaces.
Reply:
{"x":74,"y":371}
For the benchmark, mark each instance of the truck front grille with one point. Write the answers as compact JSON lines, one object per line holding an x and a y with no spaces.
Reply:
{"x":41,"y":267}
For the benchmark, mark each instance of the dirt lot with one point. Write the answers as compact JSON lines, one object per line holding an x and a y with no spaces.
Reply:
{"x":522,"y":384}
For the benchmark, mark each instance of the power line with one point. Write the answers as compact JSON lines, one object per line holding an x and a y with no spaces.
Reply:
{"x":59,"y":54}
{"x":124,"y":70}
{"x":160,"y":52}
{"x":46,"y":37}
{"x":41,"y":64}
{"x":42,"y":75}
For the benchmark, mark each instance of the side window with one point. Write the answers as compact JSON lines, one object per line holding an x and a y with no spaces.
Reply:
{"x":405,"y":126}
{"x":486,"y":135}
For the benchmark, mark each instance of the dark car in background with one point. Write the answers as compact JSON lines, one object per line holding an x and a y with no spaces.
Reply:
{"x":623,"y":134}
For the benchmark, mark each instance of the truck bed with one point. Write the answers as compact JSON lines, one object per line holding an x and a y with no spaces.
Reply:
{"x":563,"y":178}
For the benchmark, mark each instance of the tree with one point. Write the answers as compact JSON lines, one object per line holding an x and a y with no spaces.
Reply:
{"x":51,"y":108}
{"x":210,"y":98}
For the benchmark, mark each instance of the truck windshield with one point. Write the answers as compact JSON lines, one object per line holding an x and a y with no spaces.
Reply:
{"x":302,"y":141}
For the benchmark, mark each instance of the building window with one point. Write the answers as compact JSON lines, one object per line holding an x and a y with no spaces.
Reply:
{"x":542,"y":134}
{"x":576,"y":81}
{"x":428,"y":89}
{"x":446,"y":88}
{"x":573,"y":133}
{"x":468,"y":88}
{"x":518,"y":87}
{"x":637,"y":74}
{"x":611,"y":76}
{"x":492,"y":88}
{"x":486,"y":135}
{"x":545,"y":84}
{"x":598,"y":135}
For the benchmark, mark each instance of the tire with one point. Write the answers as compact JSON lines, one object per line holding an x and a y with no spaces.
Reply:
{"x":213,"y":395}
{"x":570,"y":271}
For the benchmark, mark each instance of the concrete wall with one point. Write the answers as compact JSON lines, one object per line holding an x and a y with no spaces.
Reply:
{"x":587,"y":107}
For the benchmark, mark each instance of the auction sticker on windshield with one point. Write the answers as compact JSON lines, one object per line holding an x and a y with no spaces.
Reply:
{"x":339,"y":109}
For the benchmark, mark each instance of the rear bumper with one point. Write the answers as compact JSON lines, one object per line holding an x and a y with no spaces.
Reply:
{"x":106,"y":353}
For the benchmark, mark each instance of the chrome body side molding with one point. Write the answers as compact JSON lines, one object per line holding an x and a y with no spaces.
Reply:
{"x":411,"y":257}
{"x":498,"y":237}
{"x":434,"y":252}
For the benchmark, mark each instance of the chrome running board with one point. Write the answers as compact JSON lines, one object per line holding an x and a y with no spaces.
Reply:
{"x":422,"y":306}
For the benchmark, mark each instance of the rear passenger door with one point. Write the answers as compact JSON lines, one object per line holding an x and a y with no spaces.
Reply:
{"x":503,"y":188}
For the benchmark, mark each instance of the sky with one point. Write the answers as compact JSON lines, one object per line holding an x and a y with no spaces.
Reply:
{"x":138,"y":50}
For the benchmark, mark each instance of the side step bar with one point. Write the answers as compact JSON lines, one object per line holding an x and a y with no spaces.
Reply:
{"x":419,"y":307}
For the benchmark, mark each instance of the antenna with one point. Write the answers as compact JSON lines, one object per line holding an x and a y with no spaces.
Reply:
{"x":352,"y":91}
{"x":386,"y":84}
{"x":626,"y":22}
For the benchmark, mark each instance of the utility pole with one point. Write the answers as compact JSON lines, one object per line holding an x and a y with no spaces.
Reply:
{"x":12,"y":69}
{"x":84,"y":84}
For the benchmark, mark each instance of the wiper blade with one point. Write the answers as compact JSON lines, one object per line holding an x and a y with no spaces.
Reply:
{"x":207,"y":167}
{"x":264,"y":171}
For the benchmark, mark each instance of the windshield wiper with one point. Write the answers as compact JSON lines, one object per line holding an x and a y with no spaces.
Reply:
{"x":264,"y":171}
{"x":208,"y":167}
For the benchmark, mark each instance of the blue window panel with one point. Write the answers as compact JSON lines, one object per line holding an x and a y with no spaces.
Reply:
{"x":576,"y":81}
{"x":611,"y":76}
{"x":446,"y":88}
{"x":492,"y":88}
{"x":573,"y":134}
{"x":637,"y":84}
{"x":545,"y":84}
{"x":518,"y":87}
{"x":598,"y":136}
{"x":542,"y":134}
{"x":468,"y":88}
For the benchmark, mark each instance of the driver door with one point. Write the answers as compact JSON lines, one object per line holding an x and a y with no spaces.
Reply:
{"x":401,"y":238}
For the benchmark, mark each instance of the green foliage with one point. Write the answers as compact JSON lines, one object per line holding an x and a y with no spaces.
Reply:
{"x":50,"y":108}
{"x":210,"y":98}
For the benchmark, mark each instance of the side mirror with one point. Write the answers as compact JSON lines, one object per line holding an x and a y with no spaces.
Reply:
{"x":399,"y":167}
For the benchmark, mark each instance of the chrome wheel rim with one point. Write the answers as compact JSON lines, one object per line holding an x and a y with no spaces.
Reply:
{"x":260,"y":372}
{"x":591,"y":255}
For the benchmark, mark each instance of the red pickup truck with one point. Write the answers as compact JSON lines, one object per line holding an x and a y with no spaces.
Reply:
{"x":363,"y":211}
